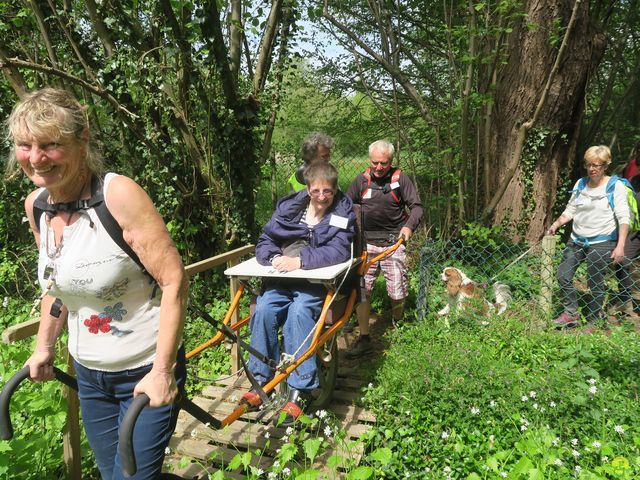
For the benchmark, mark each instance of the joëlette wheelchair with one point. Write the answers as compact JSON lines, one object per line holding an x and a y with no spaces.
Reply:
{"x":344,"y":283}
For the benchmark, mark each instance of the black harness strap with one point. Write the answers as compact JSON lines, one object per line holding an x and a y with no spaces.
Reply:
{"x":41,"y":205}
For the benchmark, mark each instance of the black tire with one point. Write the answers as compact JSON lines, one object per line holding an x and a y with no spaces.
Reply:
{"x":328,"y":373}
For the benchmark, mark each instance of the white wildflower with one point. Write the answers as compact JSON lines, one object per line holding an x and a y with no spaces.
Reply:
{"x":535,"y":406}
{"x":557,"y":462}
{"x":504,"y":474}
{"x":276,"y":464}
{"x":593,"y":389}
{"x":327,"y":431}
{"x":492,"y":403}
{"x":524,"y":421}
{"x":605,"y":459}
{"x":619,"y":429}
{"x":542,"y":409}
{"x":475,"y":410}
{"x":267,"y":434}
{"x":285,"y":438}
{"x":286,"y":472}
{"x":444,"y":435}
{"x":321,"y":414}
{"x":446,"y":470}
{"x":574,"y":441}
{"x":592,"y":381}
{"x":258,"y":472}
{"x":578,"y":468}
{"x":575,"y":453}
{"x":596,"y":444}
{"x":370,"y":385}
{"x":524,"y":398}
{"x":272,"y":475}
{"x":555,"y":442}
{"x":289,"y":430}
{"x":532,"y":394}
{"x":5,"y":302}
{"x":167,"y":451}
{"x":523,"y":428}
{"x":605,"y":410}
{"x":552,"y":404}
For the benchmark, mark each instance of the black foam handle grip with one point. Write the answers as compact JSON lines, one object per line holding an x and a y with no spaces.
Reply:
{"x":6,"y":429}
{"x":125,"y":435}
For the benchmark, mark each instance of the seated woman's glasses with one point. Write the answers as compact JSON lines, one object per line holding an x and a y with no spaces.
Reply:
{"x":317,"y":193}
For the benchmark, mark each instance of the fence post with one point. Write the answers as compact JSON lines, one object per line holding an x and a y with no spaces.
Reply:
{"x":547,"y":274}
{"x":71,"y":431}
{"x":233,"y":288}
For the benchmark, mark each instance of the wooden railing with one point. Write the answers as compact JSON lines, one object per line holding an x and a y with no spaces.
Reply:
{"x":71,"y":432}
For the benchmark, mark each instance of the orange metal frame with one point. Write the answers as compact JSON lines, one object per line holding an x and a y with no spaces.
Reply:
{"x":321,"y":335}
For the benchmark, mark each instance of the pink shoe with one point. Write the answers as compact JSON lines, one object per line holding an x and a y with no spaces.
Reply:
{"x":566,"y":320}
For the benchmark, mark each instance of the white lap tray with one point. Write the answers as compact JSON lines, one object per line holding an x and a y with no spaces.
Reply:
{"x":251,"y":268}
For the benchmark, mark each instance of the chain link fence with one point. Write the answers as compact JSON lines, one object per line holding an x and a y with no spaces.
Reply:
{"x":545,"y":283}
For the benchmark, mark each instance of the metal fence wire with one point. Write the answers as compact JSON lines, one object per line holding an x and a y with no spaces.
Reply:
{"x":543,"y":281}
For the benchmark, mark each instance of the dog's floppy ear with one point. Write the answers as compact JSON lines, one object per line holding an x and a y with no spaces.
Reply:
{"x":454,"y":277}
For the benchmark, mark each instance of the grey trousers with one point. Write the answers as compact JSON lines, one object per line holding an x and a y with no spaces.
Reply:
{"x":598,"y":258}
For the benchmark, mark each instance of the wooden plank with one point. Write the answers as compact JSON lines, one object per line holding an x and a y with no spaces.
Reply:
{"x":213,"y":454}
{"x":72,"y":454}
{"x":218,"y":260}
{"x":21,"y":331}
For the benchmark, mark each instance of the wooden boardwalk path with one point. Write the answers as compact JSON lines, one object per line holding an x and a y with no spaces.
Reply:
{"x":197,"y":450}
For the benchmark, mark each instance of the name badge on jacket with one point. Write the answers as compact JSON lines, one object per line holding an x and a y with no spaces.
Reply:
{"x":338,"y":221}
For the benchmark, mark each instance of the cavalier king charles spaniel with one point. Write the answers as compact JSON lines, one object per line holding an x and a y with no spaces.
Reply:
{"x":462,"y":292}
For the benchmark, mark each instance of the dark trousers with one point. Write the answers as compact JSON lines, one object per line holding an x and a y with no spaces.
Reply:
{"x":598,"y":258}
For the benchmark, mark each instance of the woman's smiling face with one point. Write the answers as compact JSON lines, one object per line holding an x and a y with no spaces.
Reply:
{"x":51,"y":162}
{"x":321,"y":193}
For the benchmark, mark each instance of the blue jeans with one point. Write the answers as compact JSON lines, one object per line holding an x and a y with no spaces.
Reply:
{"x":105,"y":398}
{"x":598,"y":257}
{"x":296,"y":309}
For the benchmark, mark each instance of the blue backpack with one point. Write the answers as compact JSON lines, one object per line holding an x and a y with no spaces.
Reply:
{"x":634,"y":221}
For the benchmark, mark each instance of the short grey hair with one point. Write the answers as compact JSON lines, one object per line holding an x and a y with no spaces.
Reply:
{"x":309,"y":150}
{"x":382,"y":146}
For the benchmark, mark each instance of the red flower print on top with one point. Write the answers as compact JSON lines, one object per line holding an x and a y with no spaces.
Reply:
{"x":96,"y":324}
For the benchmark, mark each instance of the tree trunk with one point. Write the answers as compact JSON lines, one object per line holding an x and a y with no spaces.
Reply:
{"x":550,"y":147}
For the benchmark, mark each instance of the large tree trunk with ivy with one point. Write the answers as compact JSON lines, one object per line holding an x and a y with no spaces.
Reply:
{"x":550,"y":147}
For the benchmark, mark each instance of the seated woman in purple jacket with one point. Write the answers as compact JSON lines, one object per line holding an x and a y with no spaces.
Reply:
{"x":309,"y":229}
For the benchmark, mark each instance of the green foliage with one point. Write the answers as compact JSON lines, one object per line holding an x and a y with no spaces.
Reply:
{"x":505,"y":401}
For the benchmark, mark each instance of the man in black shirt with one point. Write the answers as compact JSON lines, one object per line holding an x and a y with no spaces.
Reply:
{"x":391,"y":208}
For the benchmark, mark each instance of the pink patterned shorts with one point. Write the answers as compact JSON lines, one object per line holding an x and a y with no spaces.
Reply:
{"x":394,"y":271}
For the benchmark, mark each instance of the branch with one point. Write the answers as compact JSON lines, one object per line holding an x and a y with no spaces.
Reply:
{"x":522,"y":132}
{"x":75,"y":48}
{"x":266,"y":46}
{"x":12,"y":74}
{"x":408,"y":87}
{"x":100,"y":27}
{"x":43,"y":31}
{"x":15,"y":62}
{"x":212,"y":32}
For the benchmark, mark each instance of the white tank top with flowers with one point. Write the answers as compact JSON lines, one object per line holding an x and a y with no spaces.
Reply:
{"x":114,"y":307}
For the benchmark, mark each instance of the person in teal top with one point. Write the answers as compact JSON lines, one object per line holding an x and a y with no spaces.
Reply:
{"x":316,"y":146}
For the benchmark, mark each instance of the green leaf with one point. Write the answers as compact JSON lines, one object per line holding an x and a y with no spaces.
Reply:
{"x":235,"y":462}
{"x":311,"y":447}
{"x":360,"y":473}
{"x":308,"y":475}
{"x":535,"y":474}
{"x":382,"y":455}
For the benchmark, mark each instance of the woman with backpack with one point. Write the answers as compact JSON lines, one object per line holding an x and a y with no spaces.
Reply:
{"x":600,"y":228}
{"x":123,"y":301}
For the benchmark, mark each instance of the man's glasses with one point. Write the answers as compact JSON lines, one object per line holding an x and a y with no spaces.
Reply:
{"x":317,"y":193}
